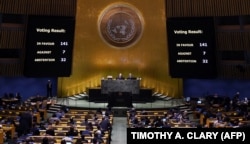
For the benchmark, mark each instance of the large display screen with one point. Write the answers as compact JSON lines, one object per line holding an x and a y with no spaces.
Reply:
{"x":49,"y":46}
{"x":191,"y":47}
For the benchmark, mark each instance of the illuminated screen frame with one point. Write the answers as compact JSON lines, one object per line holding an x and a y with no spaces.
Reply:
{"x":191,"y":47}
{"x":49,"y":46}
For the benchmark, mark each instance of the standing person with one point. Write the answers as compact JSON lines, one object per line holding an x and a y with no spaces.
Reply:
{"x":49,"y":88}
{"x":236,"y":96}
{"x":120,"y":76}
{"x":130,"y":76}
{"x":25,"y":122}
{"x":235,"y":100}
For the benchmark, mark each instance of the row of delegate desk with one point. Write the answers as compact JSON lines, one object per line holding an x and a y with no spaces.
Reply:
{"x":63,"y":126}
{"x":13,"y":113}
{"x":215,"y":108}
{"x":151,"y":114}
{"x":60,"y":129}
{"x":232,"y":115}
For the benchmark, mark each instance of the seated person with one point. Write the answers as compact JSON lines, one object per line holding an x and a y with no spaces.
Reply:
{"x":90,"y":126}
{"x":50,"y":131}
{"x":86,"y":132}
{"x":166,"y":125}
{"x":18,"y":97}
{"x":63,"y":141}
{"x":72,"y":121}
{"x":108,"y":112}
{"x":143,"y":112}
{"x":53,"y":118}
{"x":85,"y":121}
{"x":83,"y":139}
{"x":99,"y":111}
{"x":48,"y":140}
{"x":145,"y":120}
{"x":35,"y":130}
{"x":130,"y":76}
{"x":72,"y":132}
{"x":45,"y":140}
{"x":99,"y":131}
{"x":95,"y":117}
{"x":60,"y":113}
{"x":245,"y":101}
{"x":78,"y":141}
{"x":120,"y":77}
{"x":66,"y":140}
{"x":185,"y":116}
{"x":97,"y":139}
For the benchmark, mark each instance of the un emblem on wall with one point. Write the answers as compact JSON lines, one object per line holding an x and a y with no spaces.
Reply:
{"x":120,"y":25}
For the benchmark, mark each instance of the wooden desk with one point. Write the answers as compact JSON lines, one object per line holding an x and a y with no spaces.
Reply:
{"x":210,"y":121}
{"x":202,"y":116}
{"x":38,"y":117}
{"x":44,"y":114}
{"x":9,"y":101}
{"x":16,"y":113}
{"x":1,"y":136}
{"x":10,"y":128}
{"x":57,"y":139}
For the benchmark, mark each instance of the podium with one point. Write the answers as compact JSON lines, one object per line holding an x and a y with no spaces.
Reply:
{"x":120,"y":92}
{"x":120,"y":99}
{"x":108,"y":86}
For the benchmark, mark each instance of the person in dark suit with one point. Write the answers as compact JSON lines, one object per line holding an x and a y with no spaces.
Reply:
{"x":83,"y":139}
{"x":72,"y":132}
{"x":86,"y":132}
{"x":45,"y":140}
{"x":235,"y":100}
{"x":18,"y":97}
{"x":97,"y":139}
{"x":130,"y":76}
{"x":120,"y":76}
{"x":50,"y":131}
{"x":49,"y":88}
{"x":35,"y":130}
{"x":25,"y":122}
{"x":105,"y":124}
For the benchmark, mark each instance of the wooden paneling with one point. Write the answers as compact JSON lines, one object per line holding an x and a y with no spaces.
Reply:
{"x":209,"y":7}
{"x":12,"y":68}
{"x":177,"y":8}
{"x":12,"y":38}
{"x":233,"y":41}
{"x":59,"y":9}
{"x":244,"y":7}
{"x":234,"y":71}
{"x":13,"y":6}
{"x":169,"y":7}
{"x":39,"y":7}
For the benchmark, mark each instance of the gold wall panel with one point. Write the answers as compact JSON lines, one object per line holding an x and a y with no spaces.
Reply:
{"x":94,"y":59}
